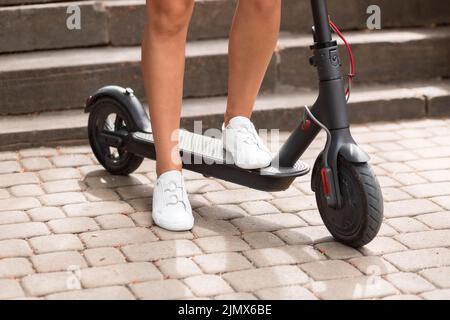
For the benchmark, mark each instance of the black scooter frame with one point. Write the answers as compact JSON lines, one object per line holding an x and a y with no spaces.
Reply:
{"x":330,"y":109}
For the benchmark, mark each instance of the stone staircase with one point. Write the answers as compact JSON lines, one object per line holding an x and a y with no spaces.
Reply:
{"x":47,"y":70}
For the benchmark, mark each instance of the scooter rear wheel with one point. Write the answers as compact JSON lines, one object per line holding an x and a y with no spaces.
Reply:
{"x":359,"y":220}
{"x":108,"y":115}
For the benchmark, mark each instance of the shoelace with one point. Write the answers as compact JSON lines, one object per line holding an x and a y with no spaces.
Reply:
{"x":176,"y":194}
{"x":250,"y":136}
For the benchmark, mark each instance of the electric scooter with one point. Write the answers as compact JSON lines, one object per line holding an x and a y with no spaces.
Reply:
{"x":347,"y":192}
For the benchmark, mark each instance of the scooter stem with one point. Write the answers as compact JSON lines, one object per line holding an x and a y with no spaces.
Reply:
{"x":321,"y":25}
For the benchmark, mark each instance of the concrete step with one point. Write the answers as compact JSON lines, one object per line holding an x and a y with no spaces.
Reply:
{"x":4,"y":3}
{"x":352,"y":14}
{"x":120,"y":22}
{"x":43,"y":26}
{"x":111,"y":22}
{"x":272,"y":111}
{"x":57,"y":80}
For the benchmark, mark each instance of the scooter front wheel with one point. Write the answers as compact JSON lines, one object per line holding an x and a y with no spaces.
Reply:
{"x":108,"y":116}
{"x":359,"y":219}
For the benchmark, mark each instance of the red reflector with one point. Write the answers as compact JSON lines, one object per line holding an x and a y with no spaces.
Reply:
{"x":306,"y":125}
{"x":325,"y":182}
{"x":88,"y":100}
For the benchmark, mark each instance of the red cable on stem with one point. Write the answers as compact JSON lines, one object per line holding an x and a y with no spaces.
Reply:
{"x":350,"y":54}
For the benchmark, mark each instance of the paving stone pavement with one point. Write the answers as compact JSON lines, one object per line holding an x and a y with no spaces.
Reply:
{"x":69,"y":230}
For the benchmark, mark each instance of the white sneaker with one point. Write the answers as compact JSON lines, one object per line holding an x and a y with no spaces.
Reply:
{"x":241,"y":140}
{"x":171,"y":208}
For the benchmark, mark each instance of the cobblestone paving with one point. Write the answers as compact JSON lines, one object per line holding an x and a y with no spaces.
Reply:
{"x":68,"y":230}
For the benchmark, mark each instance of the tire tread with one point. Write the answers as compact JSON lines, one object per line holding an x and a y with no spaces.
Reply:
{"x":374,"y":199}
{"x":133,"y":161}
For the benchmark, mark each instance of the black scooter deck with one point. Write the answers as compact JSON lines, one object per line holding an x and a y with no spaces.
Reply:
{"x":206,"y":155}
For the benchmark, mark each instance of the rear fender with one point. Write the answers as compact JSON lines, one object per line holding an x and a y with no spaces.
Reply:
{"x":127,"y":100}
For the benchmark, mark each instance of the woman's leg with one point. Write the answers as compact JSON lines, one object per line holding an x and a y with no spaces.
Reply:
{"x":163,"y":62}
{"x":253,"y":39}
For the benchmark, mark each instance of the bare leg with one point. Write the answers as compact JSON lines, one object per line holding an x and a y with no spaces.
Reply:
{"x":253,"y":39}
{"x":163,"y":62}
